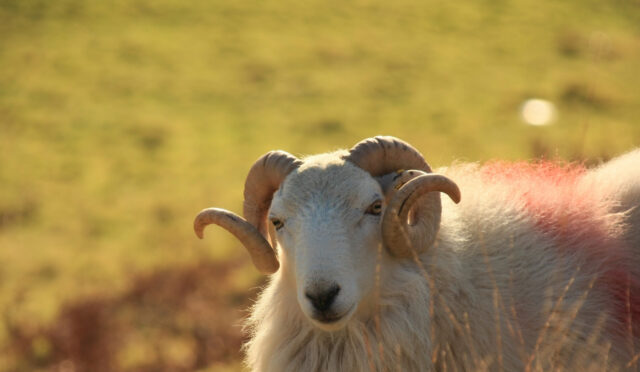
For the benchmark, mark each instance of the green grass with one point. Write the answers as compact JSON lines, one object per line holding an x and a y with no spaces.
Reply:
{"x":119,"y":120}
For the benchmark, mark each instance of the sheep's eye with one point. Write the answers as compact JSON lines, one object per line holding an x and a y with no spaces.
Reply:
{"x":375,"y":208}
{"x":278,"y":224}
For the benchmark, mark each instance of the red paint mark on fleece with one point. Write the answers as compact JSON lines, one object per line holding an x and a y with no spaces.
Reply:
{"x":577,"y":220}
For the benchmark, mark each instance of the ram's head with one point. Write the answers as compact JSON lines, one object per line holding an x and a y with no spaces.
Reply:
{"x":326,"y":216}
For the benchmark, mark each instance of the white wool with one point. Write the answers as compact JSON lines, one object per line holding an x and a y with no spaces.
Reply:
{"x":492,"y":293}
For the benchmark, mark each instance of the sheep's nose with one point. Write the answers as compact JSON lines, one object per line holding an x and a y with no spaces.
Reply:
{"x":322,"y":298}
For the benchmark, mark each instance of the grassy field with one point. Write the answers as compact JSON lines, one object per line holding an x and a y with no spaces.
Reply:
{"x":119,"y":120}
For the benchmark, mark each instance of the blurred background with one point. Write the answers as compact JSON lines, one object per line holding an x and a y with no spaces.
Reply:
{"x":120,"y":120}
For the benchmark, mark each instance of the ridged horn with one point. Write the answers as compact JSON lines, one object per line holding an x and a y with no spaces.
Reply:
{"x":260,"y":250}
{"x":382,"y":155}
{"x":399,"y":234}
{"x":264,"y":178}
{"x":385,"y":154}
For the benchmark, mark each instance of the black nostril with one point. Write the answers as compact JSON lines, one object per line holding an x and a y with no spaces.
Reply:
{"x":323,"y":298}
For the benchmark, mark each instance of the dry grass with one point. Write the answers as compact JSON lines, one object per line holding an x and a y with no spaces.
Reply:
{"x":555,"y":347}
{"x":188,"y":318}
{"x":118,"y":118}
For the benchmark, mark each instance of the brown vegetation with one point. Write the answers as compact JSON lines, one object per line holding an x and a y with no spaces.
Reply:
{"x":174,"y":319}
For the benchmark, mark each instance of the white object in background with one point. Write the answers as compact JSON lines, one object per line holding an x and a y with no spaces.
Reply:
{"x":537,"y":111}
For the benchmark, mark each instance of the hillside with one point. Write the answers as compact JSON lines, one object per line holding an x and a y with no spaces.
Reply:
{"x":119,"y":120}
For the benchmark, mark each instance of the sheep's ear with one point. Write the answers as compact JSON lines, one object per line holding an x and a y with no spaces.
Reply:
{"x":385,"y":182}
{"x":391,"y":182}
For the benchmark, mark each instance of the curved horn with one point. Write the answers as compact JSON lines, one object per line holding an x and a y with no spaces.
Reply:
{"x":261,"y":252}
{"x":264,"y":178}
{"x":385,"y":154}
{"x":398,"y":235}
{"x":382,"y":155}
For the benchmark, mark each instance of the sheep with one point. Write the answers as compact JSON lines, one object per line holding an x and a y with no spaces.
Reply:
{"x":370,"y":270}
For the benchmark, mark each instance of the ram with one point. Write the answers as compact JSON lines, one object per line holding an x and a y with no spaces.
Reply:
{"x":537,"y":268}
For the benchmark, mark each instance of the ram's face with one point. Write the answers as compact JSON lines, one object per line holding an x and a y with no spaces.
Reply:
{"x":329,"y":220}
{"x":326,"y":218}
